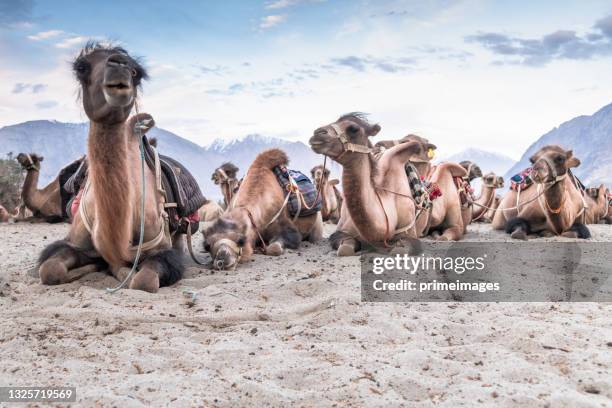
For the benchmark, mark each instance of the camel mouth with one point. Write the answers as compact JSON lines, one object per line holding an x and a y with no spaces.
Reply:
{"x":118,"y":86}
{"x":118,"y":93}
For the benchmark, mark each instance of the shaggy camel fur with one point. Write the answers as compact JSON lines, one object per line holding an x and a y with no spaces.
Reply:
{"x":609,"y":214}
{"x":553,"y":206}
{"x":378,"y":200}
{"x":45,"y":204}
{"x":109,"y":80}
{"x":225,"y":177}
{"x":487,"y":198}
{"x":4,"y":215}
{"x":250,"y":219}
{"x":445,"y":220}
{"x":331,"y":197}
{"x":597,"y":203}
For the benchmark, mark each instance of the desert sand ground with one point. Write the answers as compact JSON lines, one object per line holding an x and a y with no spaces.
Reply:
{"x":291,"y":331}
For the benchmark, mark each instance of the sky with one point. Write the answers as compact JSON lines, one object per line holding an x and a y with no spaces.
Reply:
{"x":493,"y":75}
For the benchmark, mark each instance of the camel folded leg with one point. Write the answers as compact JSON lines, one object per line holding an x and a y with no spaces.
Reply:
{"x":163,"y":268}
{"x":61,"y":263}
{"x":284,"y":235}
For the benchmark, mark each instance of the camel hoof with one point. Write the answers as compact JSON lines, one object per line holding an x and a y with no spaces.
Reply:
{"x":346,"y":250}
{"x":519,"y":234}
{"x":146,"y":280}
{"x":51,"y":272}
{"x":442,"y":238}
{"x":546,"y":234}
{"x":570,"y":234}
{"x":274,"y":249}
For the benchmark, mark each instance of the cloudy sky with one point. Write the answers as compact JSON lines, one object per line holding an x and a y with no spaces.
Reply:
{"x":488,"y":74}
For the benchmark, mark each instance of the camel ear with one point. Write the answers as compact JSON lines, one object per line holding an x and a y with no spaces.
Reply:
{"x":533,"y":159}
{"x":40,"y":158}
{"x":571,"y":161}
{"x":374,"y":130}
{"x":334,"y":182}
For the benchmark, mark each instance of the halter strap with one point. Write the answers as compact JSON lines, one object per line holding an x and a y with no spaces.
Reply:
{"x":556,"y":177}
{"x":349,"y":147}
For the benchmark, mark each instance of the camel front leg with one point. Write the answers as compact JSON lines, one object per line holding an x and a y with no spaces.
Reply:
{"x":284,"y":235}
{"x":163,"y":268}
{"x":454,"y":225}
{"x":61,"y":263}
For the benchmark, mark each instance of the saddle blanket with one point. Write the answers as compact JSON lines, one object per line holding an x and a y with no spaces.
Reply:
{"x":312,"y":201}
{"x":521,"y":180}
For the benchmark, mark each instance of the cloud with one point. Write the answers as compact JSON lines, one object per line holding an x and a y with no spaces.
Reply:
{"x":361,"y":64}
{"x":271,"y":21}
{"x":265,"y":89}
{"x":561,"y":44}
{"x":46,"y":104}
{"x":43,"y":35}
{"x":283,"y":4}
{"x":71,"y":42}
{"x":215,"y":70}
{"x":33,"y":88}
{"x":15,"y":12}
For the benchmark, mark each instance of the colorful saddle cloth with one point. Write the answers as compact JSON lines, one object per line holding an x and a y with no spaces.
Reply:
{"x":288,"y":179}
{"x":423,"y":191}
{"x":466,"y":192}
{"x":521,"y":180}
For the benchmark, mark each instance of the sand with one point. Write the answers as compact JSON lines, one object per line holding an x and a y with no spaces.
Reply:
{"x":291,"y":331}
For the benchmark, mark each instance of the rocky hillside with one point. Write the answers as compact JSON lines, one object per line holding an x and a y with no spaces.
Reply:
{"x":590,"y":137}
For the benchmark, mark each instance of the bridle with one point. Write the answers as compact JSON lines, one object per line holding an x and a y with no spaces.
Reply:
{"x":347,"y":146}
{"x":217,"y":250}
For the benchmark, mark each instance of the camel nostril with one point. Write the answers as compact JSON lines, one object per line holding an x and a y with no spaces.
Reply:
{"x":219,"y":264}
{"x":117,"y":60}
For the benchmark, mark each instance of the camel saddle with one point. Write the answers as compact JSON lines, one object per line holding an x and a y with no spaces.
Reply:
{"x":183,"y":195}
{"x":312,"y":201}
{"x":523,"y":180}
{"x":423,"y":191}
{"x":71,"y":179}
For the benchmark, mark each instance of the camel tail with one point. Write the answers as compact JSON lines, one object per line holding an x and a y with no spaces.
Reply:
{"x":271,"y":158}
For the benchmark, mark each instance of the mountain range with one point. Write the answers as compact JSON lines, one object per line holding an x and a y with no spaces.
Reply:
{"x":590,"y":138}
{"x":60,"y":143}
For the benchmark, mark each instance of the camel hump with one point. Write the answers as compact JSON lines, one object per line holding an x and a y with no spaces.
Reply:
{"x":453,"y":168}
{"x":271,"y":158}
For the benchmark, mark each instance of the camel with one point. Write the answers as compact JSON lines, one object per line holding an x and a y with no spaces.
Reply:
{"x":378,"y":201}
{"x":107,"y":224}
{"x":442,"y":220}
{"x":209,"y":212}
{"x":597,"y":204}
{"x":487,"y":201}
{"x":257,"y":215}
{"x":554,"y":206}
{"x":21,"y":212}
{"x":4,"y":215}
{"x":225,"y":177}
{"x":45,"y":204}
{"x":332,"y":198}
{"x":608,"y":216}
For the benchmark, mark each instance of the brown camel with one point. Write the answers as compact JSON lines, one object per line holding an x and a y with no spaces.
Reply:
{"x":257,"y":216}
{"x":447,"y":219}
{"x":331,"y":197}
{"x":107,"y":225}
{"x":45,"y":204}
{"x":485,"y":205}
{"x":225,"y":177}
{"x":554,"y":206}
{"x":209,"y":212}
{"x":597,"y":204}
{"x":4,"y":215}
{"x":609,"y":214}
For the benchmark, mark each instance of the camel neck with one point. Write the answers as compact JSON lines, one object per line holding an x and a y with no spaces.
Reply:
{"x":486,"y":198}
{"x":113,"y":188}
{"x":30,"y":191}
{"x":361,"y":200}
{"x":555,"y":200}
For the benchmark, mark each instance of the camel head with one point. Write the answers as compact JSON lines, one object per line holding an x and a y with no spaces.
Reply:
{"x":109,"y":79}
{"x":29,"y":161}
{"x":473,"y":169}
{"x":225,"y":172}
{"x":344,"y":138}
{"x":426,"y":153}
{"x":491,"y":180}
{"x":551,"y":163}
{"x":319,"y":174}
{"x":224,"y":240}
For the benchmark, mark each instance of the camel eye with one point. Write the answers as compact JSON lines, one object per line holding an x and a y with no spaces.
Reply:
{"x":207,"y":247}
{"x":559,"y":159}
{"x":241,"y":241}
{"x":81,"y":68}
{"x":352,"y":130}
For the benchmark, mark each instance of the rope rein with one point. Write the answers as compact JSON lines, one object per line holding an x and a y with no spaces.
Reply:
{"x":142,"y":211}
